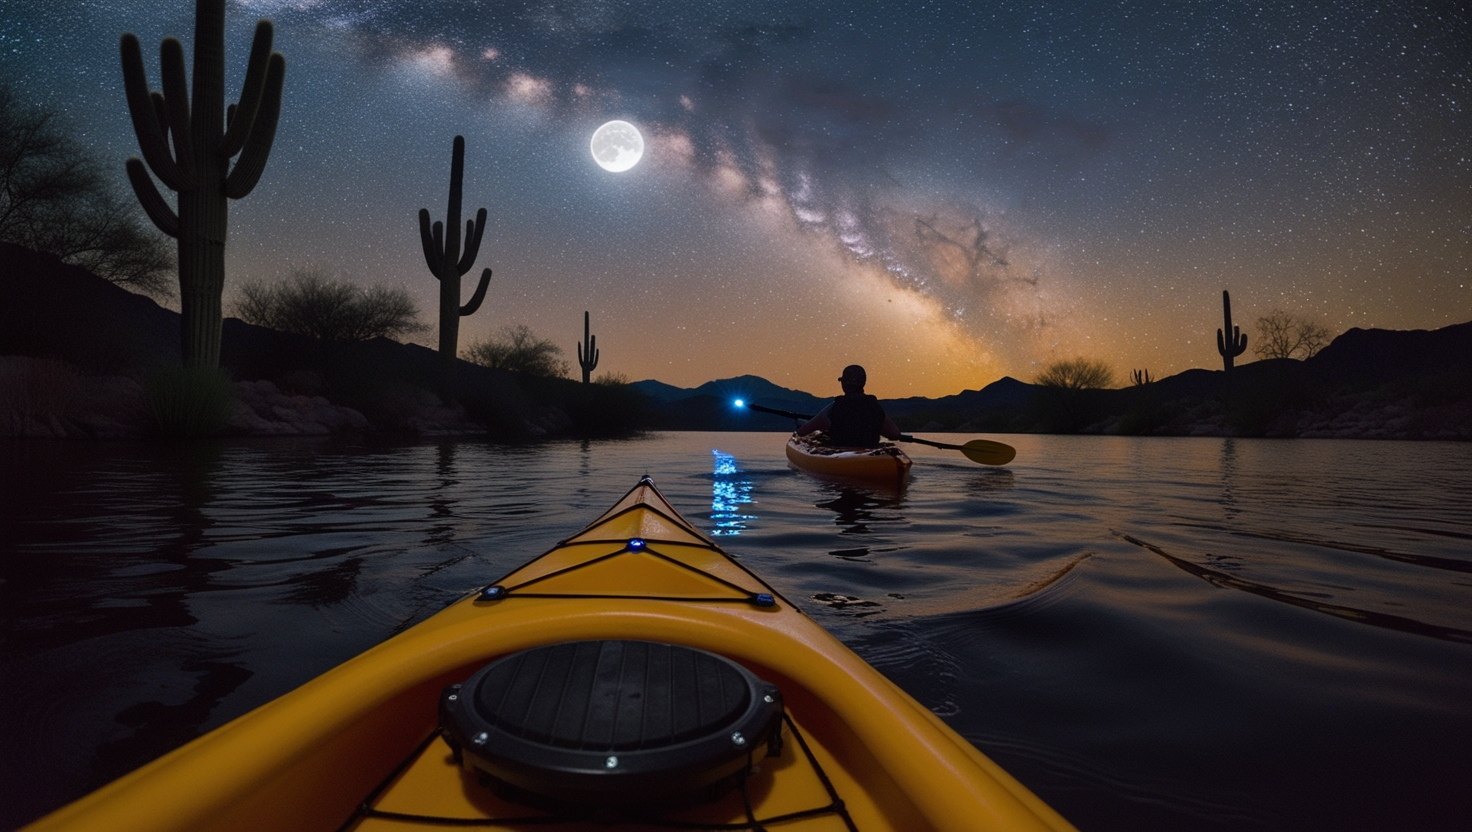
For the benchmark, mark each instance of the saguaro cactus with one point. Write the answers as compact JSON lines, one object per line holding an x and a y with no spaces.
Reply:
{"x":1229,"y":346}
{"x":448,"y":263}
{"x":188,"y":143}
{"x":588,"y":352}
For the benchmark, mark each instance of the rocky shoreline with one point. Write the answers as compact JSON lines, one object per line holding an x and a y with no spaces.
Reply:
{"x":50,"y":399}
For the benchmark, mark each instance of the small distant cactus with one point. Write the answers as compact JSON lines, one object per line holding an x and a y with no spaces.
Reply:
{"x":1141,"y":377}
{"x":188,"y":143}
{"x":588,"y":352}
{"x":447,"y":262}
{"x":1236,"y":344}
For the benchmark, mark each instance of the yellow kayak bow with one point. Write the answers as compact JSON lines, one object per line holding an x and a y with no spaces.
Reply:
{"x":377,"y":745}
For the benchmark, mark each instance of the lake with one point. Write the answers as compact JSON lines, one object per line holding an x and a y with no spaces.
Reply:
{"x":1150,"y":633}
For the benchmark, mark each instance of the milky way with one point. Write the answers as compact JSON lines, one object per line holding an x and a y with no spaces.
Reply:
{"x":946,"y":192}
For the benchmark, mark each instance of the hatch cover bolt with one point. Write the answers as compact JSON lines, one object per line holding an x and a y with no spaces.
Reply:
{"x":480,"y":739}
{"x":738,"y":739}
{"x":452,"y":697}
{"x":768,"y":699}
{"x":611,"y":762}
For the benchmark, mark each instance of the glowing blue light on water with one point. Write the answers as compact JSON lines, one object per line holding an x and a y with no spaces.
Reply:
{"x":728,"y":494}
{"x":725,"y":464}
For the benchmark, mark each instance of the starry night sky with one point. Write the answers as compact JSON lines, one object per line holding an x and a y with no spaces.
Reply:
{"x":944,"y":192}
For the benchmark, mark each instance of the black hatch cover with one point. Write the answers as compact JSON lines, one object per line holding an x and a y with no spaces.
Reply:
{"x":611,"y":723}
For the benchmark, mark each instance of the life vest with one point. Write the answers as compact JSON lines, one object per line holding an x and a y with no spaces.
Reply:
{"x":856,"y":420}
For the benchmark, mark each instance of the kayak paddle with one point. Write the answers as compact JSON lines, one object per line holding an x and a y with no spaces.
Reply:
{"x":983,"y":451}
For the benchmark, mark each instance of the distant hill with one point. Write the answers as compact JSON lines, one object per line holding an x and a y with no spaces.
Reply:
{"x":1366,"y":383}
{"x":711,"y":405}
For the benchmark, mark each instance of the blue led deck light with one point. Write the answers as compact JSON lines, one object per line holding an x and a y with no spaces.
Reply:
{"x":636,"y":543}
{"x":493,"y":593}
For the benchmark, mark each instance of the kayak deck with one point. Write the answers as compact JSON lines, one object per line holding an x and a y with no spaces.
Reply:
{"x":359,"y":749}
{"x":795,"y":790}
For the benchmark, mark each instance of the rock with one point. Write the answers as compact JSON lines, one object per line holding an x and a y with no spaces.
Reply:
{"x":261,"y":408}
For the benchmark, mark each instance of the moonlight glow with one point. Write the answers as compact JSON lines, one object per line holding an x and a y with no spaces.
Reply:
{"x":617,"y":146}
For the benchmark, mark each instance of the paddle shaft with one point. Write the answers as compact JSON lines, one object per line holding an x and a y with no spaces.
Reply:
{"x":789,"y":414}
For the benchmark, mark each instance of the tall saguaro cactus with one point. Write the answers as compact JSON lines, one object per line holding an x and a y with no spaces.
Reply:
{"x":588,"y":352}
{"x":188,"y":138}
{"x":448,"y":263}
{"x":1229,"y":346}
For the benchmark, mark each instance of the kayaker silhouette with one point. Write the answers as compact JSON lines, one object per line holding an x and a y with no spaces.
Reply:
{"x":855,"y":419}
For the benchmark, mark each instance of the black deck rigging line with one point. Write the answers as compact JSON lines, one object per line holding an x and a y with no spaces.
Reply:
{"x":515,"y":590}
{"x":677,"y":520}
{"x":752,"y":824}
{"x":572,"y":596}
{"x":610,"y":540}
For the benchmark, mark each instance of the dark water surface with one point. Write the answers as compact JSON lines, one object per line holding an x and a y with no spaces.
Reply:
{"x":1190,"y":634}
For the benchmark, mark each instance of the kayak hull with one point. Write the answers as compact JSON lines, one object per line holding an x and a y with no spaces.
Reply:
{"x":884,"y":465}
{"x":357,"y":748}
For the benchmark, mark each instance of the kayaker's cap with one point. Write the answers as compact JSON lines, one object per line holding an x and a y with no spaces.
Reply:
{"x":854,"y":374}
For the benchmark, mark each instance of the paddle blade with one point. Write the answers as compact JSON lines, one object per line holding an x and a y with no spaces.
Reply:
{"x":988,"y":452}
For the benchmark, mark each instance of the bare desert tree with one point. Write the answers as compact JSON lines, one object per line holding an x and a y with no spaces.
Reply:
{"x":1076,"y":374}
{"x":1282,"y":334}
{"x":54,"y":198}
{"x":312,"y":304}
{"x":518,"y":348}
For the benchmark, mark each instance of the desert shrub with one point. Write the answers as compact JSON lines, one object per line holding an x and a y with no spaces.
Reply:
{"x":310,"y":303}
{"x":54,"y":197}
{"x":612,"y":379}
{"x":1076,"y":374}
{"x":188,"y":401}
{"x":518,"y":349}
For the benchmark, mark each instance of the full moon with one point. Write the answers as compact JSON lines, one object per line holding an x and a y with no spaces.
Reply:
{"x":617,"y":146}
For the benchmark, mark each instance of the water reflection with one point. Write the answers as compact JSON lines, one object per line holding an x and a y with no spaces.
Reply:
{"x":992,"y":480}
{"x":129,"y":570}
{"x":729,"y":491}
{"x":1229,"y":478}
{"x":159,"y":727}
{"x":859,"y":508}
{"x":326,"y":587}
{"x":442,"y":500}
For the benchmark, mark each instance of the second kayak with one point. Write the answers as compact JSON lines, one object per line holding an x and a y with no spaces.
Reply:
{"x":885,"y":465}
